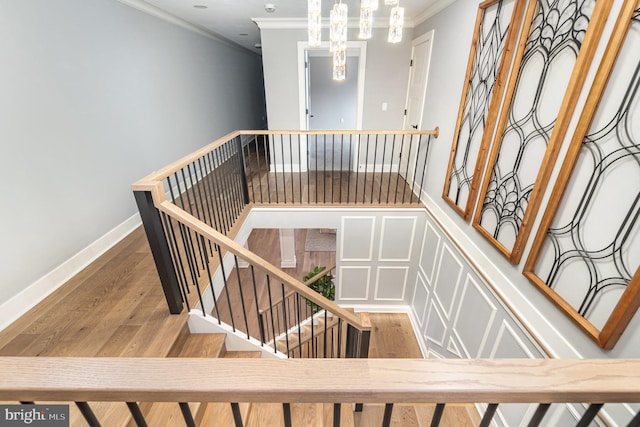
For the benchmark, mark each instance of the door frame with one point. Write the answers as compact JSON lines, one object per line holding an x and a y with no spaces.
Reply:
{"x":360,"y":48}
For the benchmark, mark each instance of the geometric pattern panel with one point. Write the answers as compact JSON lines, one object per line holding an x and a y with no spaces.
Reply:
{"x":587,"y":251}
{"x":494,"y":38}
{"x":552,"y":61}
{"x":436,"y":325}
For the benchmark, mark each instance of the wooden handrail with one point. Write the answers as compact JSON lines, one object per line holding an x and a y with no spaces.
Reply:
{"x":259,"y":263}
{"x":326,"y":380}
{"x":320,"y":275}
{"x":149,"y":182}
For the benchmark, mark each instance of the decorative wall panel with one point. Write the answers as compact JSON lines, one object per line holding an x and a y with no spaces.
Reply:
{"x":429,"y":250}
{"x":492,"y":49}
{"x":419,"y":300}
{"x":447,"y":280}
{"x":397,"y":238}
{"x":476,"y":311}
{"x":587,"y":251}
{"x":391,"y":283}
{"x":561,"y":36}
{"x":354,"y":283}
{"x":357,"y":238}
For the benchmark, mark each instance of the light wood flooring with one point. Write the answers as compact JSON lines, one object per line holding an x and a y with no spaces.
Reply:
{"x":115,"y":308}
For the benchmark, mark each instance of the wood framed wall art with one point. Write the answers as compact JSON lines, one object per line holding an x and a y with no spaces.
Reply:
{"x":494,"y":39}
{"x":586,"y":254}
{"x":554,"y":55}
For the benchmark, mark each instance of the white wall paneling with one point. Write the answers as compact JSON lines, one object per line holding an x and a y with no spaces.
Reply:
{"x":354,"y":283}
{"x":419,"y":300}
{"x":356,"y":238}
{"x":447,"y":278}
{"x":436,"y":328}
{"x":391,"y":283}
{"x":397,"y":238}
{"x":429,"y":250}
{"x":476,"y":311}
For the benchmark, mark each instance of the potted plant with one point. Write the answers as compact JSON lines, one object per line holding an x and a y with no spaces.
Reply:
{"x":324,"y":286}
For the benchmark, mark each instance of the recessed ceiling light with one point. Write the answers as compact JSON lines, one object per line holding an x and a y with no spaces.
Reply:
{"x":243,"y":34}
{"x":200,"y":6}
{"x":270,"y":7}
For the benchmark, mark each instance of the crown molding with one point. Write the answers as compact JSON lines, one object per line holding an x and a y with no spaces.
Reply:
{"x":301,"y":23}
{"x":432,"y":10}
{"x":156,"y":12}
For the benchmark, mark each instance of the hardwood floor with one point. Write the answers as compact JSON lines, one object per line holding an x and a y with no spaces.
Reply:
{"x":115,"y":308}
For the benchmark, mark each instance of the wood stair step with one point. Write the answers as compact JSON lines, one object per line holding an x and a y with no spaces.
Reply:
{"x":186,"y":345}
{"x":219,"y":414}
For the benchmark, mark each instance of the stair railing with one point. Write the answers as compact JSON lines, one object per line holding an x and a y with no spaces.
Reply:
{"x":489,"y":383}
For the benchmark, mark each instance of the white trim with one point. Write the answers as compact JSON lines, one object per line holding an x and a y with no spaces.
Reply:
{"x":29,"y":297}
{"x":432,"y":10}
{"x":404,"y":283}
{"x":302,"y":23}
{"x":156,"y":12}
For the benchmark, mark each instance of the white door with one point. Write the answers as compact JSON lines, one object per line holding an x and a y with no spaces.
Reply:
{"x":416,"y":92}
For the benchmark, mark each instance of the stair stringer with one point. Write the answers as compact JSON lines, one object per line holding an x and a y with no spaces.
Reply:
{"x":234,"y":341}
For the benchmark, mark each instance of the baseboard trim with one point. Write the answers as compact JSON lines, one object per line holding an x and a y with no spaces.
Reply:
{"x":24,"y":301}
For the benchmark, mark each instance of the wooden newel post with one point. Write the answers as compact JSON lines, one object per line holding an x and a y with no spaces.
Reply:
{"x":160,"y":249}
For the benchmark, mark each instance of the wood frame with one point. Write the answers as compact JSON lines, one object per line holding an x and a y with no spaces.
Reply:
{"x":630,"y":300}
{"x":570,"y":99}
{"x":494,"y":103}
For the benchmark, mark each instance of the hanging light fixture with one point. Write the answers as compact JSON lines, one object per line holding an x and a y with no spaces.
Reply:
{"x":374,"y":4}
{"x":340,"y":65}
{"x":338,"y":26}
{"x":396,"y":22}
{"x":366,"y":19}
{"x":315,"y":22}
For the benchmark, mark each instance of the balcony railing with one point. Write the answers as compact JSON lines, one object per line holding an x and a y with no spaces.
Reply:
{"x":390,"y":382}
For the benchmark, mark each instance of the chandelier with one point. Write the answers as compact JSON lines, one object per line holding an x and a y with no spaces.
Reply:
{"x":338,"y":24}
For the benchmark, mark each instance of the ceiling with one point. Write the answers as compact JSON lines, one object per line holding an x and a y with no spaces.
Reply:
{"x":231,"y":19}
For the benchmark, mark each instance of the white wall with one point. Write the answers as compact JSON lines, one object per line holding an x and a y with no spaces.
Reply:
{"x":95,"y":95}
{"x":453,"y":32}
{"x":386,"y":78}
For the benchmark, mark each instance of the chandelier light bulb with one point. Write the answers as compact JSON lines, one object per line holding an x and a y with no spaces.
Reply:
{"x":315,"y":23}
{"x":366,"y":20}
{"x":396,"y":22}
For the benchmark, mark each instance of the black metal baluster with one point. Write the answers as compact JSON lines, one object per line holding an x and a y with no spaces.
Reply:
{"x":207,"y":192}
{"x":300,"y":165}
{"x":249,"y":170}
{"x":255,"y":296}
{"x":404,"y":189}
{"x":340,"y":326}
{"x":187,"y":248}
{"x":393,"y":147}
{"x":259,"y":173}
{"x":395,"y":196}
{"x":88,"y":414}
{"x":186,"y":235}
{"x":273,"y":324}
{"x":488,"y":415}
{"x":186,"y":414}
{"x":136,"y":413}
{"x":230,"y":187}
{"x":333,"y":162}
{"x":314,"y":344}
{"x":197,"y":191}
{"x":244,"y":310}
{"x":237,"y":197}
{"x":309,"y":169}
{"x":336,"y":414}
{"x":437,"y":415}
{"x":355,"y":198}
{"x":324,"y":335}
{"x":225,"y":197}
{"x":242,"y":167}
{"x":635,"y":422}
{"x":177,"y":262}
{"x":267,"y":168}
{"x":237,"y":416}
{"x":191,"y":205}
{"x":388,"y":410}
{"x":366,"y":165}
{"x":424,"y":167}
{"x":197,"y":283}
{"x":286,"y":411}
{"x":341,"y":165}
{"x":589,"y":414}
{"x":415,"y":172}
{"x":316,"y":168}
{"x":275,"y":166}
{"x":215,"y":192}
{"x":350,"y":167}
{"x":213,"y":292}
{"x":284,"y":319}
{"x":299,"y":322}
{"x":293,"y":193}
{"x":384,"y":152}
{"x":541,"y":410}
{"x":226,"y":289}
{"x":284,"y":169}
{"x":220,"y":199}
{"x":375,"y":161}
{"x":174,"y":239}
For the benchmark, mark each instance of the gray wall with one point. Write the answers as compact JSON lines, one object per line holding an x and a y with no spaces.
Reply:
{"x":386,"y":78}
{"x":452,"y":40}
{"x":96,"y":95}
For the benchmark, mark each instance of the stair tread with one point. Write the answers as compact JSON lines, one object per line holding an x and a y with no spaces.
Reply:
{"x":203,"y":345}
